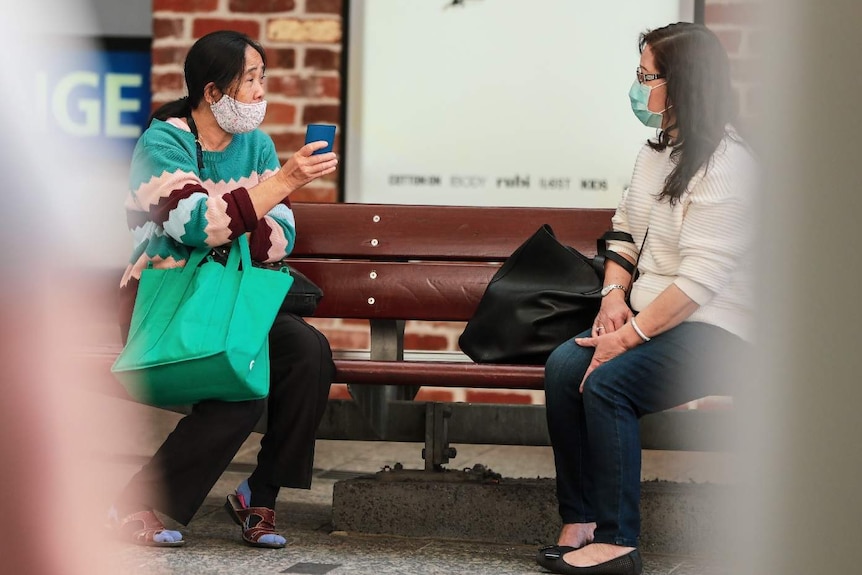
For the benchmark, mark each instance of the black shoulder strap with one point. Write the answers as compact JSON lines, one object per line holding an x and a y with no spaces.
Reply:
{"x":621,"y":261}
{"x":194,"y":129}
{"x":618,"y":236}
{"x":602,"y":252}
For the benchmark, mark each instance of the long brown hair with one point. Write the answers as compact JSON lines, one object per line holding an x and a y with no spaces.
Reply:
{"x":697,"y":72}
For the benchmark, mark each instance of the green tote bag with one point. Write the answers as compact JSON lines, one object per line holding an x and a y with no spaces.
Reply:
{"x":201,"y":331}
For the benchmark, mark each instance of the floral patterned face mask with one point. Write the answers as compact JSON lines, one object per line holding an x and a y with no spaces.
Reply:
{"x":235,"y":117}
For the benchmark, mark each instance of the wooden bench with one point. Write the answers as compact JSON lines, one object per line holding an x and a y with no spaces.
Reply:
{"x":391,"y":263}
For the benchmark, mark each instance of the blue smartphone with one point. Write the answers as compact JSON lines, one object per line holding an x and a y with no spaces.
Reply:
{"x":318,"y":132}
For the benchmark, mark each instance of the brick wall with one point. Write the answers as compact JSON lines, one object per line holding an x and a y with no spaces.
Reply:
{"x":302,"y":39}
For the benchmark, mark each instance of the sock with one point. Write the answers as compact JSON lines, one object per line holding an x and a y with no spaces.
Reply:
{"x":244,"y":494}
{"x":163,"y":536}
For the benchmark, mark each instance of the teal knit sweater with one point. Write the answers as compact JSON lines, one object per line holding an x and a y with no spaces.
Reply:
{"x":173,"y":207}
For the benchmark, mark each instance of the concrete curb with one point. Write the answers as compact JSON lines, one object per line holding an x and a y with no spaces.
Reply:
{"x":676,"y":518}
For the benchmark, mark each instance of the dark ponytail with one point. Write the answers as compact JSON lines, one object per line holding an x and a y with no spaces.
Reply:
{"x":176,"y":109}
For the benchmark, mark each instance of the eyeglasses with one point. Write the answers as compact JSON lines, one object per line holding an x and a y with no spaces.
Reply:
{"x":647,"y":77}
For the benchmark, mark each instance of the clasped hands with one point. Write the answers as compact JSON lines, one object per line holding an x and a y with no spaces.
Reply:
{"x":604,"y":337}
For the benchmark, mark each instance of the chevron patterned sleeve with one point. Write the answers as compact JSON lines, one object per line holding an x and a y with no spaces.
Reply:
{"x":273,"y":239}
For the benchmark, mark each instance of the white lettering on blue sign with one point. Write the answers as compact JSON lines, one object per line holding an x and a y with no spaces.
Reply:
{"x":97,"y":109}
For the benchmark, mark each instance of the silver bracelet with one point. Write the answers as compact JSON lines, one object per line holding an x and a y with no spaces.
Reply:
{"x":638,"y":331}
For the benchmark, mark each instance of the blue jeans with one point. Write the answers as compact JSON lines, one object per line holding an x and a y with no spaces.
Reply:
{"x":595,"y":435}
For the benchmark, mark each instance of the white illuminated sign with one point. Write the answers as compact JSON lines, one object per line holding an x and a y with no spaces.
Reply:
{"x":495,"y":102}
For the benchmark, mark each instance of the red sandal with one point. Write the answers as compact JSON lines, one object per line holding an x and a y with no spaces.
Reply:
{"x":243,"y":516}
{"x":143,"y":528}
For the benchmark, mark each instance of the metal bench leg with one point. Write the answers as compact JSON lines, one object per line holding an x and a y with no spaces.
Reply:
{"x":387,"y":344}
{"x":437,"y":450}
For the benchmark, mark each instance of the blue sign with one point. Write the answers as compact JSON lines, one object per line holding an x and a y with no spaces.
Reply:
{"x":97,"y":97}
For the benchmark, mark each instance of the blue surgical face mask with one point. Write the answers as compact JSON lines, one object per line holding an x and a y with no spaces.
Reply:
{"x":639,"y":97}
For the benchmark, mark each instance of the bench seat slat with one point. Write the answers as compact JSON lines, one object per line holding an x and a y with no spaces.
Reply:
{"x":437,"y":232}
{"x":434,"y":373}
{"x":439,"y":374}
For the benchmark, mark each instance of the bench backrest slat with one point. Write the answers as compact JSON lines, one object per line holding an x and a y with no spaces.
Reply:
{"x":436,"y":232}
{"x":433,"y":291}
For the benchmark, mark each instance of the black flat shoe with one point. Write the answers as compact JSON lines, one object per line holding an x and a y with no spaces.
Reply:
{"x":548,"y":555}
{"x":628,"y":564}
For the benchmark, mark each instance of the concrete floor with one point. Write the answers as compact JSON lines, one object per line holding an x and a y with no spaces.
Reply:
{"x":304,"y":516}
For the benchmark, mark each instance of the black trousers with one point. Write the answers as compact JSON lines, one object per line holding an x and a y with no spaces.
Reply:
{"x":196,"y":453}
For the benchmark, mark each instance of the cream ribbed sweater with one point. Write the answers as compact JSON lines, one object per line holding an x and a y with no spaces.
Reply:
{"x":703,"y":243}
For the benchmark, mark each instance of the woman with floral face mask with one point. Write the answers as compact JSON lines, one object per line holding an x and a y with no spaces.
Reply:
{"x":202,"y":175}
{"x":656,"y":341}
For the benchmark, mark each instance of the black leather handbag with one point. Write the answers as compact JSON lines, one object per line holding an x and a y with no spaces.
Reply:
{"x":304,"y":294}
{"x":543,"y":294}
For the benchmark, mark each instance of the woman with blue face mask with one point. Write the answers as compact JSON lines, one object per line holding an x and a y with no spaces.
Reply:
{"x":203,"y":174}
{"x":659,"y":335}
